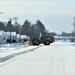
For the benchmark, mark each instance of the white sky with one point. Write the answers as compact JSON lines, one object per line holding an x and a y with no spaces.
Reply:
{"x":57,"y":15}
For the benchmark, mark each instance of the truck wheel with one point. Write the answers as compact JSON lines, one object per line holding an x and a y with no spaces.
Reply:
{"x":34,"y":42}
{"x":47,"y":42}
{"x":37,"y":42}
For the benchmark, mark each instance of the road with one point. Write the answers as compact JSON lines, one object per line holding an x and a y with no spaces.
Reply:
{"x":56,"y":59}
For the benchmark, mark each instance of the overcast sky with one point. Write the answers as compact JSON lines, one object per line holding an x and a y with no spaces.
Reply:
{"x":56,"y":15}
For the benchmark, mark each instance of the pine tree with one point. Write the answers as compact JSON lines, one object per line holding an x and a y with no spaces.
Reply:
{"x":25,"y":27}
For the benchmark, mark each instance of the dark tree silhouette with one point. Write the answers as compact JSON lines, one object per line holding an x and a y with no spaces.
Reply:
{"x":25,"y":27}
{"x":39,"y":26}
{"x":2,"y":26}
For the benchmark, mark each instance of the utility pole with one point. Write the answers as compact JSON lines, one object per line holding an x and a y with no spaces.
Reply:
{"x":74,"y":26}
{"x":10,"y":27}
{"x":19,"y":33}
{"x":15,"y":18}
{"x":1,"y":13}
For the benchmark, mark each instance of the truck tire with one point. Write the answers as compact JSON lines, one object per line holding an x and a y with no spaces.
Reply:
{"x":37,"y":42}
{"x":47,"y":42}
{"x":34,"y":42}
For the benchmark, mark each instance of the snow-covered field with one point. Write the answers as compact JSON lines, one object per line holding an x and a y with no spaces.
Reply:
{"x":56,"y":59}
{"x":8,"y":49}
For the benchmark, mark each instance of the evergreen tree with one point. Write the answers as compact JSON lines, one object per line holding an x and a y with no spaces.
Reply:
{"x":9,"y":26}
{"x":2,"y":26}
{"x":25,"y":27}
{"x":32,"y":31}
{"x":40,"y":28}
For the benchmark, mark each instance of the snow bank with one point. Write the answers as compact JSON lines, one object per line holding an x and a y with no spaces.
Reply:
{"x":8,"y":50}
{"x":73,"y":44}
{"x":7,"y":47}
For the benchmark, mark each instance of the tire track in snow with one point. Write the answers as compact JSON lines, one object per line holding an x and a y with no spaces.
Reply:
{"x":3,"y":59}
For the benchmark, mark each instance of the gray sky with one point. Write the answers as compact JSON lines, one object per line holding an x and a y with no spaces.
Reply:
{"x":56,"y":15}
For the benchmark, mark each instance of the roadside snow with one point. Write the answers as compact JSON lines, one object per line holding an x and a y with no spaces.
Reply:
{"x":7,"y":47}
{"x":12,"y":49}
{"x":71,"y":44}
{"x":56,"y":59}
{"x":66,"y":43}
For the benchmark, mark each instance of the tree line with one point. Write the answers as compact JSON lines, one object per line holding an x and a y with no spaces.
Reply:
{"x":27,"y":28}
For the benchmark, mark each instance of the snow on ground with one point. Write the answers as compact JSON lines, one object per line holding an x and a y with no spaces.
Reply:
{"x":8,"y":49}
{"x":67,"y":42}
{"x":4,"y":47}
{"x":72,"y":44}
{"x":56,"y":59}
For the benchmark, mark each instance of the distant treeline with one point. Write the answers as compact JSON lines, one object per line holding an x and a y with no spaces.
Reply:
{"x":27,"y":28}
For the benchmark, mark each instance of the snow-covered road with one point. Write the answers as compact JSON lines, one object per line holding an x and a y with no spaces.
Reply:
{"x":56,"y":59}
